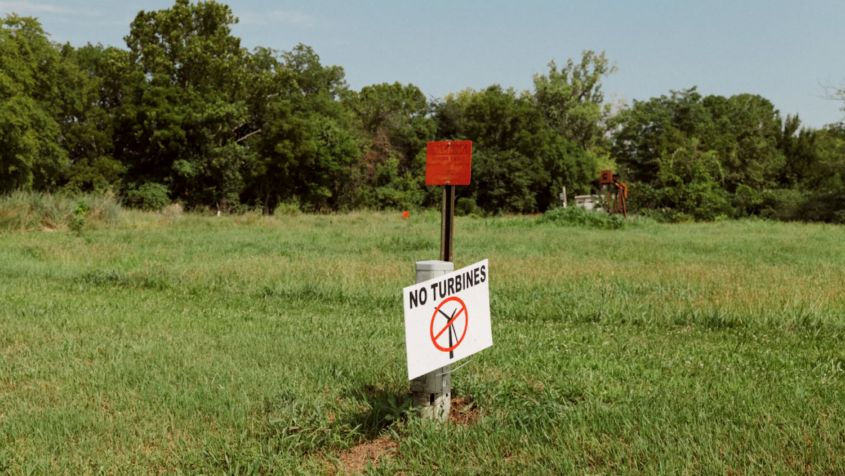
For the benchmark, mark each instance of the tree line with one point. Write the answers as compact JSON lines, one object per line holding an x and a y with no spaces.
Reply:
{"x":185,"y":113}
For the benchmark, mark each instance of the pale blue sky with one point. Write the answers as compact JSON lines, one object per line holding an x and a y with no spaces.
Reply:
{"x":784,"y":50}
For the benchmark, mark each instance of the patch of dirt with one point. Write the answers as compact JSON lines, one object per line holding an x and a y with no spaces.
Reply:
{"x":463,"y":411}
{"x":356,"y":459}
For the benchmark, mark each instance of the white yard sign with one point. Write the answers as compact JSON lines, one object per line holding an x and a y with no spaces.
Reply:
{"x":447,"y":318}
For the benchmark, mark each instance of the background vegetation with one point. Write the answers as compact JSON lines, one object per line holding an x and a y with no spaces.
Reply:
{"x":249,"y":344}
{"x":185,"y":113}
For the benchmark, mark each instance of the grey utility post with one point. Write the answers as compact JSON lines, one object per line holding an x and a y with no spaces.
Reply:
{"x":433,"y":391}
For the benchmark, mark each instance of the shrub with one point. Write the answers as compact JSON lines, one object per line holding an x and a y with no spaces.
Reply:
{"x":289,"y":208}
{"x":782,"y":204}
{"x":578,"y":217}
{"x":149,"y":196}
{"x":468,"y":206}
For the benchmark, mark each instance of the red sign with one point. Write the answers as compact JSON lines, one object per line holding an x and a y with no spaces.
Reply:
{"x":405,"y":215}
{"x":448,"y":162}
{"x":457,"y":309}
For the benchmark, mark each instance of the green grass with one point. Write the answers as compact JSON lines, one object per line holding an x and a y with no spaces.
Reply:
{"x":201,"y":345}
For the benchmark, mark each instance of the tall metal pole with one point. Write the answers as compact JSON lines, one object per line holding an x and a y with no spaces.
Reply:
{"x":447,"y":223}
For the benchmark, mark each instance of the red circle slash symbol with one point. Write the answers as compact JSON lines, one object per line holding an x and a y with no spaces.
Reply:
{"x":449,"y":315}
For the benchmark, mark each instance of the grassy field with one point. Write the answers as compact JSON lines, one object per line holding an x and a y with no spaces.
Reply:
{"x":201,"y":345}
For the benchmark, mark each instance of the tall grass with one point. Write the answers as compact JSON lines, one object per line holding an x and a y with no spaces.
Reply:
{"x":32,"y":211}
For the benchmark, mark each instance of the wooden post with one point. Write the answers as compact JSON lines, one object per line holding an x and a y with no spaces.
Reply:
{"x":625,"y":199}
{"x":564,"y":197}
{"x":447,"y":223}
{"x":432,"y":392}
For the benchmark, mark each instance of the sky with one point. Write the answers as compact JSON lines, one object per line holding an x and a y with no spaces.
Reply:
{"x":784,"y":50}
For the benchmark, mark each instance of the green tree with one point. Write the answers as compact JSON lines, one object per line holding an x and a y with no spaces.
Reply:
{"x":650,"y":129}
{"x":30,"y":69}
{"x":87,"y":125}
{"x":800,"y":148}
{"x":825,"y":181}
{"x":396,"y":126}
{"x":519,"y":162}
{"x":729,"y":150}
{"x":746,"y":130}
{"x":572,"y":101}
{"x":303,"y":143}
{"x":184,"y":102}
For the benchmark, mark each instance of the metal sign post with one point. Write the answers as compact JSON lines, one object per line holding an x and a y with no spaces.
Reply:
{"x":447,"y":223}
{"x":447,"y":318}
{"x":447,"y":163}
{"x":432,"y":392}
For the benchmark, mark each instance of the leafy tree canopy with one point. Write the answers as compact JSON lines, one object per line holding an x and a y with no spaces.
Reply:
{"x":185,"y":113}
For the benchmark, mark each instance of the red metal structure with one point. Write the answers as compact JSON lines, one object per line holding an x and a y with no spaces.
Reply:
{"x":617,"y":193}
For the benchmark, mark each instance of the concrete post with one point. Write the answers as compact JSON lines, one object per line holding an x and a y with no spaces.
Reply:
{"x":433,"y":391}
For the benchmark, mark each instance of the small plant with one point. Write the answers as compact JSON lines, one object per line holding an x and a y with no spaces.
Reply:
{"x":77,"y":221}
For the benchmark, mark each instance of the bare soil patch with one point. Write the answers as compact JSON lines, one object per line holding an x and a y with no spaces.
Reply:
{"x":356,"y":459}
{"x":463,"y":411}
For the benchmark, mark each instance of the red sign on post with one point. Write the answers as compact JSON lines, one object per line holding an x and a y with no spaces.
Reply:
{"x":448,"y":162}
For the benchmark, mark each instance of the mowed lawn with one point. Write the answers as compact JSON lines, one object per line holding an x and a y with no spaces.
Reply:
{"x":204,"y":345}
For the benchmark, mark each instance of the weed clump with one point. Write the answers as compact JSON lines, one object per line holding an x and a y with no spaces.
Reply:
{"x":578,"y":217}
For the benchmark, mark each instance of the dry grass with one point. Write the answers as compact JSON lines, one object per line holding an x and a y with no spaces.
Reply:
{"x":368,"y":454}
{"x":27,"y":212}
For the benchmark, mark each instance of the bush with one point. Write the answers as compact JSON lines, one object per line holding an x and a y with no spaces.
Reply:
{"x":578,"y":217}
{"x":468,"y":206}
{"x":289,"y":208}
{"x":149,"y":196}
{"x":701,"y":201}
{"x":782,"y":204}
